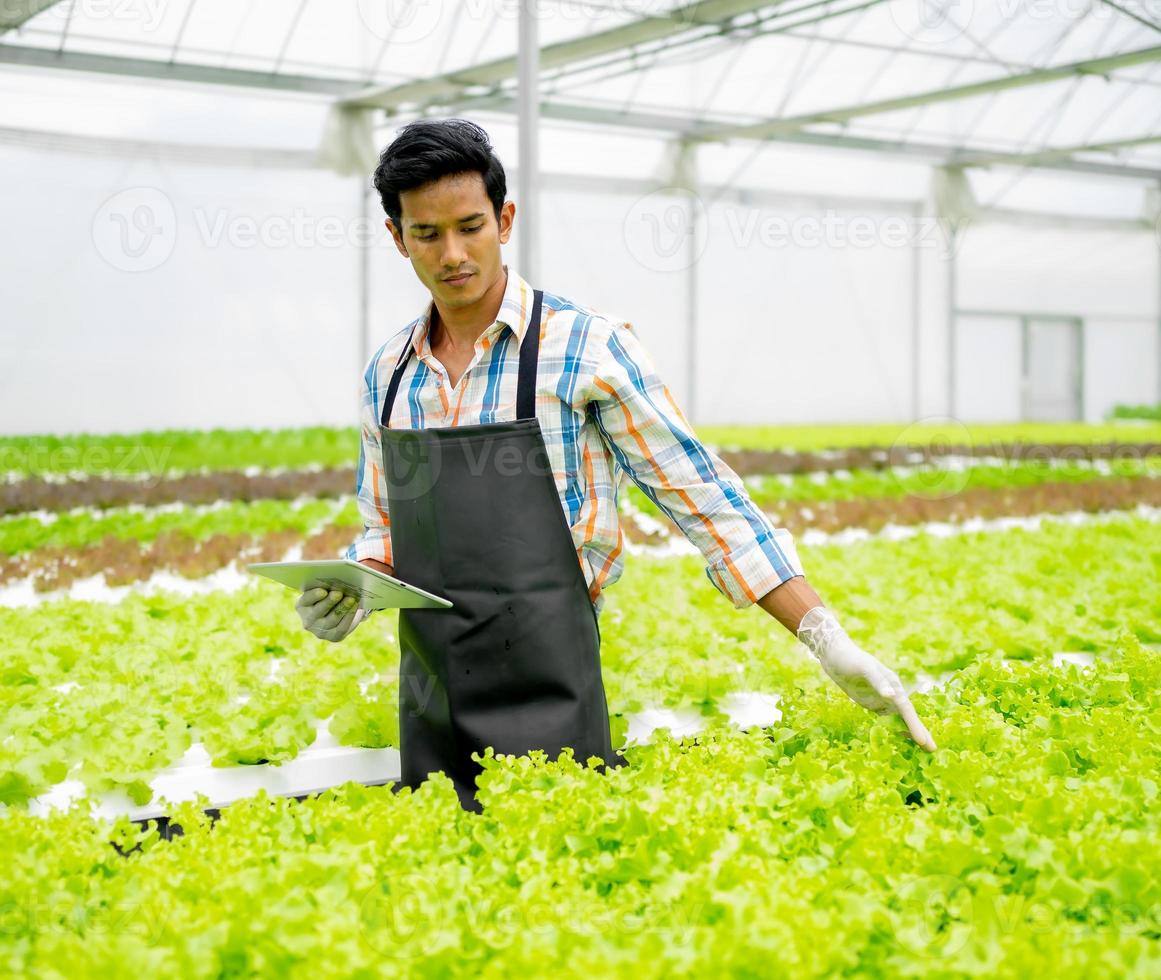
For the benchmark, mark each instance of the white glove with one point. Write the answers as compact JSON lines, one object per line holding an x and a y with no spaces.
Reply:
{"x":328,"y":615}
{"x":864,"y":679}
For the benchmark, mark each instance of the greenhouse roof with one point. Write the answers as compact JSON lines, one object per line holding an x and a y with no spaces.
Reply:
{"x":1061,"y":85}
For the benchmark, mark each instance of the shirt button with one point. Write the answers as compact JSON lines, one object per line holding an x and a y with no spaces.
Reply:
{"x":439,"y":382}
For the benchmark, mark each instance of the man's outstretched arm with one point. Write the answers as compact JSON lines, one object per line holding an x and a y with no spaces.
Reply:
{"x":750,"y":561}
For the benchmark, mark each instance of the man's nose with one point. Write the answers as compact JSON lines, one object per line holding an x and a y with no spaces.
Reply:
{"x":454,"y":251}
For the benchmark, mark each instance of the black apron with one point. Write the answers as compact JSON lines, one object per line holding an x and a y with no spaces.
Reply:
{"x":515,"y":663}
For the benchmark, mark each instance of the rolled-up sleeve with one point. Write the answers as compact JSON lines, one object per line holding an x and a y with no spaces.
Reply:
{"x":655,"y":445}
{"x":370,"y":486}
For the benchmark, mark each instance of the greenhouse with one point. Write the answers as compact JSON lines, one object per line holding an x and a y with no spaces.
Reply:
{"x":634,"y":488}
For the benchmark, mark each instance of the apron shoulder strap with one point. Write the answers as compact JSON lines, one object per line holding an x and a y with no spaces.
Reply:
{"x":393,"y":387}
{"x":529,"y":352}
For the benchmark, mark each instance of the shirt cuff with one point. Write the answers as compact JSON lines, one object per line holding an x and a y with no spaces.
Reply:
{"x":748,"y":573}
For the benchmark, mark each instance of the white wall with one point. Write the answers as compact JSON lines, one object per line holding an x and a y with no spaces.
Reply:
{"x":988,"y":359}
{"x":190,"y":322}
{"x":1121,"y":364}
{"x":1068,"y":271}
{"x":809,"y":322}
{"x":1109,"y":279}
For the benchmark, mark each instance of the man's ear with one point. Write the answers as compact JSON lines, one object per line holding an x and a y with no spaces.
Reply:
{"x":507,"y":219}
{"x":390,"y":226}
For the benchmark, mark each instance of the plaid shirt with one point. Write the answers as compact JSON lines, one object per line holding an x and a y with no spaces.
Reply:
{"x":634,"y":429}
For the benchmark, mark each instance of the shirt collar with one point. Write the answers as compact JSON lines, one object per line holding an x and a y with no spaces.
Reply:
{"x":515,"y":312}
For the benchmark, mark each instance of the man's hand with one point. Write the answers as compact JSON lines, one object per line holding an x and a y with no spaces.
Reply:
{"x":864,"y":679}
{"x":328,"y":615}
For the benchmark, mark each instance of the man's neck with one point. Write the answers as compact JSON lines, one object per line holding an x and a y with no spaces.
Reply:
{"x":460,"y":328}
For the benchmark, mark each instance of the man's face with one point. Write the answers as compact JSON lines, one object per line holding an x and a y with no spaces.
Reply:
{"x":449,"y":228}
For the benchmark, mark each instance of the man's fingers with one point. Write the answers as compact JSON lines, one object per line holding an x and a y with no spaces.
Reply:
{"x":324,"y":604}
{"x":917,"y":729}
{"x":889,"y":687}
{"x":309,"y":598}
{"x":337,"y":614}
{"x":343,"y":627}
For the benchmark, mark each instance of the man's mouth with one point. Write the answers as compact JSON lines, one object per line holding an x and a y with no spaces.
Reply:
{"x":456,"y":280}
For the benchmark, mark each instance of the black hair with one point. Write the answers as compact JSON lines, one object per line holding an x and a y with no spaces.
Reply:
{"x":428,"y":149}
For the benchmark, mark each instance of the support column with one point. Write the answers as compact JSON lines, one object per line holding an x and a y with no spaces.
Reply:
{"x":916,"y":315}
{"x":364,"y":273}
{"x":528,"y":109}
{"x":952,"y":235}
{"x":691,"y":362}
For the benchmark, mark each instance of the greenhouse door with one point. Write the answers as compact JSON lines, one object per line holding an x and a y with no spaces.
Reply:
{"x":1052,"y":369}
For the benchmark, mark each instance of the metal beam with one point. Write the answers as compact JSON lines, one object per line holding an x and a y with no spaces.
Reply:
{"x":936,"y":54}
{"x":1053,"y":153}
{"x":16,"y":13}
{"x":17,"y":54}
{"x":745,"y":196}
{"x":450,"y":85}
{"x":677,"y":125}
{"x":1051,"y":219}
{"x":1152,"y":25}
{"x":691,"y":129}
{"x":750,"y":197}
{"x":781,"y":127}
{"x":264,"y":158}
{"x":1052,"y":314}
{"x":944,"y":154}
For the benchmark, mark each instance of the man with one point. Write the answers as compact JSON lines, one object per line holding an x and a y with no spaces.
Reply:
{"x":495,"y":430}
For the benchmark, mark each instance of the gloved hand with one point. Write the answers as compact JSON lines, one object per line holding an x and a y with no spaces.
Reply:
{"x":864,"y":679}
{"x":328,"y":615}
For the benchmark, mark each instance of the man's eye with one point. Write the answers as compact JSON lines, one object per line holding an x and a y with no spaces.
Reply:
{"x":428,"y":238}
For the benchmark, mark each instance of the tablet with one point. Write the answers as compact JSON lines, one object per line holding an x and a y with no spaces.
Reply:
{"x":374,"y":590}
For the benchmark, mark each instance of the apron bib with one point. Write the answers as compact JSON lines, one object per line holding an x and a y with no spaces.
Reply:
{"x":515,"y":663}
